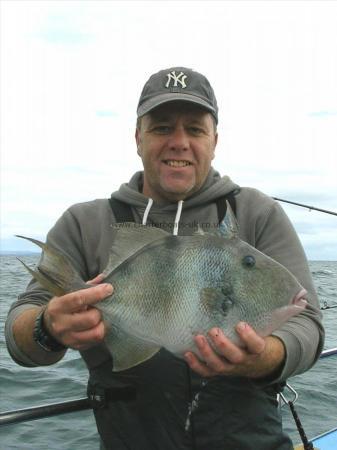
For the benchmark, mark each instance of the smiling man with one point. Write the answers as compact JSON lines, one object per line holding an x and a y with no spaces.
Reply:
{"x":176,"y":143}
{"x":226,"y":400}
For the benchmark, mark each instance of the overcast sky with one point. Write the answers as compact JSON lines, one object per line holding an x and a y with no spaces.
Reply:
{"x":72,"y":72}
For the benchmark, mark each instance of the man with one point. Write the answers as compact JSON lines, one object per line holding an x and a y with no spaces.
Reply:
{"x":227,"y":400}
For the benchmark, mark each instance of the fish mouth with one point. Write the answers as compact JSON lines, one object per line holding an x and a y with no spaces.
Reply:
{"x":299,"y":299}
{"x":177,"y":162}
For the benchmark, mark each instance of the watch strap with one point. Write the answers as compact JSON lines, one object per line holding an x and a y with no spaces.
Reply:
{"x":43,"y":338}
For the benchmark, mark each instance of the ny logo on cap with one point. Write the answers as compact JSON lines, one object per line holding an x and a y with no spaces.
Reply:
{"x":176,"y":79}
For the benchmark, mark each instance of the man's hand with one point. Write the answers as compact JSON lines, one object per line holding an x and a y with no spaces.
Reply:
{"x":72,"y":320}
{"x":259,"y":358}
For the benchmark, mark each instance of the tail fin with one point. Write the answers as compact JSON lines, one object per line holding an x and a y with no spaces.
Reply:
{"x":54,"y":272}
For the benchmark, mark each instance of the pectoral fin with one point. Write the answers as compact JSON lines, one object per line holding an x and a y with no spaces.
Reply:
{"x":215,"y":301}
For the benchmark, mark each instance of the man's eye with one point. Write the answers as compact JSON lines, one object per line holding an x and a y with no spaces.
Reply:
{"x":161,"y":129}
{"x":196,"y":131}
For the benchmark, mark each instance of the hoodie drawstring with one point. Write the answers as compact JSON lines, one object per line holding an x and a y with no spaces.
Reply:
{"x":176,"y":220}
{"x":147,"y":210}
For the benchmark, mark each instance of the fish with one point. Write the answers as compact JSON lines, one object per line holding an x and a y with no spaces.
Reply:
{"x":170,"y":288}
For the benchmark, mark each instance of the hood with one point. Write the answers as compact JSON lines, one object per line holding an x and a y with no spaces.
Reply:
{"x":214,"y":187}
{"x":196,"y":207}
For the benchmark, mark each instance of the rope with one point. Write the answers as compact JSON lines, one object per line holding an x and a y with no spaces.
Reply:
{"x":306,"y":444}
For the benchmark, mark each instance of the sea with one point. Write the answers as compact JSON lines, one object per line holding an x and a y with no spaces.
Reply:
{"x":28,"y":387}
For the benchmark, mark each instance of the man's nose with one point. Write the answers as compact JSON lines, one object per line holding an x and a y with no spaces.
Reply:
{"x":179,"y":139}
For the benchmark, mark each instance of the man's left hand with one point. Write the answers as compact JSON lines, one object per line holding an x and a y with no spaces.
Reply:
{"x":258,"y":358}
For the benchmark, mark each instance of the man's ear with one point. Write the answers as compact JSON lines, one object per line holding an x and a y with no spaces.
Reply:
{"x":215,"y":144}
{"x":138,"y":141}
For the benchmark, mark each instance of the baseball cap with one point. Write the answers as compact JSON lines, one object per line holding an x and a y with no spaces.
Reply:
{"x":177,"y":84}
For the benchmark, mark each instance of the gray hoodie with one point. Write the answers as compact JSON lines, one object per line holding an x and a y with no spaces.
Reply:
{"x":84,"y":234}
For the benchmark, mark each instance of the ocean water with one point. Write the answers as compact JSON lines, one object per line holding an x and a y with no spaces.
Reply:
{"x":27,"y":387}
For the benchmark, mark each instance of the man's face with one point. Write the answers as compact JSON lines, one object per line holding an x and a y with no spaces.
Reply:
{"x":176,"y":142}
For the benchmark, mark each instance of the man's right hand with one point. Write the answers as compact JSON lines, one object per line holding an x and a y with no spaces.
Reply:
{"x":72,"y":319}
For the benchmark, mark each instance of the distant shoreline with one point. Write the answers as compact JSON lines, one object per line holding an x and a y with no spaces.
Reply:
{"x":18,"y":253}
{"x":32,"y":253}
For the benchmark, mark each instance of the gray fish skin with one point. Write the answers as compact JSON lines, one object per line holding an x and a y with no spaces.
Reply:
{"x":167,"y":289}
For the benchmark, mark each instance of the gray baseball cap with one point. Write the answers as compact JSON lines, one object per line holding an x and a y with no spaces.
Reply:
{"x":177,"y":84}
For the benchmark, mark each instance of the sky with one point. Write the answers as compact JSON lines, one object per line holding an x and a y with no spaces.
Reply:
{"x":72,"y":72}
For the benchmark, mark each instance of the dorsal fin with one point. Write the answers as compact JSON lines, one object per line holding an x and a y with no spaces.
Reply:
{"x":129,"y":238}
{"x":229,"y":227}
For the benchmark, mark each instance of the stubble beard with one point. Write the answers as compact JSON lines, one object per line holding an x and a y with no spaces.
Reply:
{"x":161,"y":191}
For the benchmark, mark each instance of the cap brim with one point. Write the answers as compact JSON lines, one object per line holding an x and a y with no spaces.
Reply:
{"x":166,"y":98}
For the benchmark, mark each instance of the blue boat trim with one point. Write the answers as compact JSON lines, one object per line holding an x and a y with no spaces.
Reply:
{"x":326,"y":441}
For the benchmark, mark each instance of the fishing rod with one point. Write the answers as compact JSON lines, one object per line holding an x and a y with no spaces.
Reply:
{"x":329,"y":352}
{"x":311,"y":208}
{"x":323,"y":308}
{"x":81,"y":404}
{"x":53,"y":409}
{"x":40,"y":412}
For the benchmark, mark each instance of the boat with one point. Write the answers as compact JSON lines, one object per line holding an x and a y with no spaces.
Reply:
{"x":325,"y":441}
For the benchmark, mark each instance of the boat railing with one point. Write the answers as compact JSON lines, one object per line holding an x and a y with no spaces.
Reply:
{"x":80,"y":404}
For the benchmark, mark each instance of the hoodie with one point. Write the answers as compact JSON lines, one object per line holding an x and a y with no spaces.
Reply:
{"x":175,"y":408}
{"x":84,"y":234}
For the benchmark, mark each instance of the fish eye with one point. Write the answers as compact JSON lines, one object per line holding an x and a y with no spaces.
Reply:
{"x":248,"y":261}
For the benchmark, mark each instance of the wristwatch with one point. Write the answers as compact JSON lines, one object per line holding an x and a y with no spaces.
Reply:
{"x":43,"y":338}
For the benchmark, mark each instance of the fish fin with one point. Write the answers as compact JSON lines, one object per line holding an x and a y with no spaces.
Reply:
{"x":130,"y":238}
{"x":54,"y":272}
{"x":214,"y":300}
{"x":34,"y":241}
{"x":128,"y":351}
{"x":228,"y":227}
{"x":43,"y":280}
